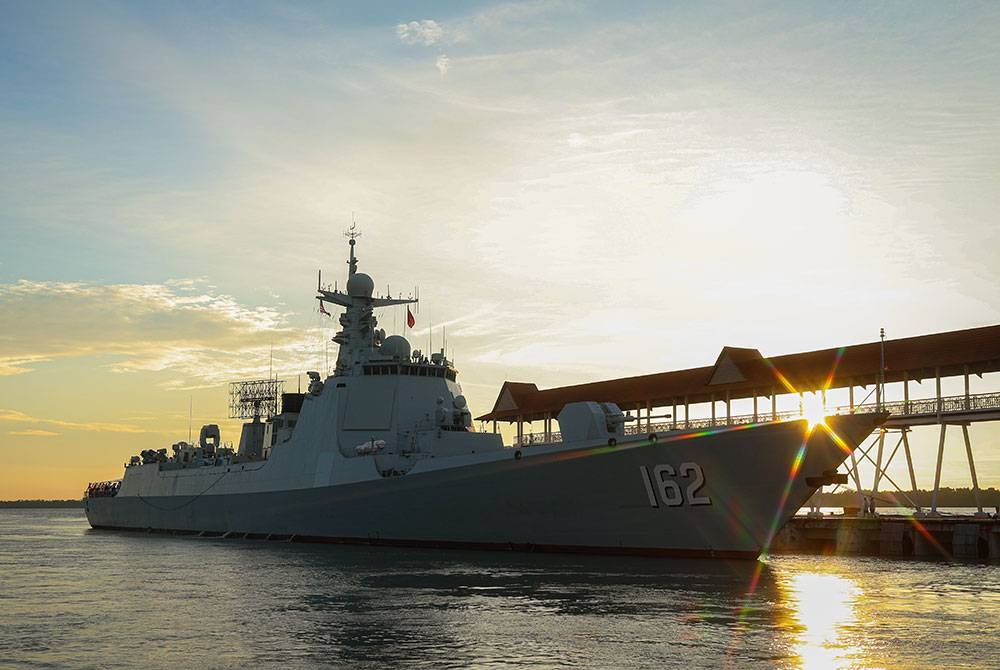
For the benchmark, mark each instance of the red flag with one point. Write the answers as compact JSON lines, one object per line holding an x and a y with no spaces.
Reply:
{"x":410,"y":321}
{"x":322,"y":309}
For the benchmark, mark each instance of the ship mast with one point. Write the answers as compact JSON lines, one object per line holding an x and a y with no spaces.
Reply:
{"x":359,"y":337}
{"x":352,"y":235}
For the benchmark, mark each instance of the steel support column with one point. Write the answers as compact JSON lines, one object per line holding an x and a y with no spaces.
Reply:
{"x":878,"y":461}
{"x":940,"y":456}
{"x":857,"y":480}
{"x":909,"y":459}
{"x":972,"y":464}
{"x":906,"y":393}
{"x":966,"y":370}
{"x":937,"y":379}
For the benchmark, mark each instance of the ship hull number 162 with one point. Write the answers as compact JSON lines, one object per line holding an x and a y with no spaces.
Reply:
{"x":663,"y":485}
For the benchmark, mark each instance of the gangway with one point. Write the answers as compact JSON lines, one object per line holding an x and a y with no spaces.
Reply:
{"x":745,"y":375}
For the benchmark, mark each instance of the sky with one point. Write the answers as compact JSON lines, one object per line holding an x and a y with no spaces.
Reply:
{"x":580,"y":191}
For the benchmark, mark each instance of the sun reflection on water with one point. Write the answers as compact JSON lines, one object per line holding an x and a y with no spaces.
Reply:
{"x":822,"y":607}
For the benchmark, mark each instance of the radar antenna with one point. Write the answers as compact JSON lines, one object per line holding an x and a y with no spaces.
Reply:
{"x":254,"y":398}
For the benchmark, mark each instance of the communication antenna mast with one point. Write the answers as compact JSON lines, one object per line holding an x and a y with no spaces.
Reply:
{"x":352,"y":232}
{"x":352,"y":235}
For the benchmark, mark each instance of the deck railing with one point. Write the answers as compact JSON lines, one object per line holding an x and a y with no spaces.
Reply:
{"x":901,"y":409}
{"x":103,"y":489}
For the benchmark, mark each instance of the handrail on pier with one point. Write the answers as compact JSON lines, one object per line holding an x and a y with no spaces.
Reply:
{"x":900,"y":411}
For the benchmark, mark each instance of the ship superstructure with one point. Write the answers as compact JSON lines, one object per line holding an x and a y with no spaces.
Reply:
{"x":384,"y":451}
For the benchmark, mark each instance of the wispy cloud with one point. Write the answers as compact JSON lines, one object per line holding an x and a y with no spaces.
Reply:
{"x":511,"y":20}
{"x":178,"y":327}
{"x":443,"y":64}
{"x":32,"y":432}
{"x":15,"y":416}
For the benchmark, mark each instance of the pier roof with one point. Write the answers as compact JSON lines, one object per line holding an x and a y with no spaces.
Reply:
{"x":744,"y":373}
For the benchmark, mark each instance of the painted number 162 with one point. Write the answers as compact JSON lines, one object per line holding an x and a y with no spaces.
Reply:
{"x":661,"y":481}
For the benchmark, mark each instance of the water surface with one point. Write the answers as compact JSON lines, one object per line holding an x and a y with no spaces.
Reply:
{"x":75,"y":597}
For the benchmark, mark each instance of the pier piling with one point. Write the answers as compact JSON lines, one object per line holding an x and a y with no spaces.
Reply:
{"x":958,"y":537}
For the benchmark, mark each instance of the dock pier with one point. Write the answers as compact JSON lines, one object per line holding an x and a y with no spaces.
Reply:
{"x":898,"y":536}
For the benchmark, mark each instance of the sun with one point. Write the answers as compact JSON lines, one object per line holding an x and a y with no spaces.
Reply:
{"x":813,"y":410}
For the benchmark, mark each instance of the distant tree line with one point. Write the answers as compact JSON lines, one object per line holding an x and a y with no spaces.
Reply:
{"x":947,"y":497}
{"x":36,"y":504}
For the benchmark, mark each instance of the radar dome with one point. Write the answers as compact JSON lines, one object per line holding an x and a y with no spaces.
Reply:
{"x":396,"y":346}
{"x":360,"y":285}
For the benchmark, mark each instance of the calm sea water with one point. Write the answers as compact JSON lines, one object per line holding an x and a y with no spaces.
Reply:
{"x":74,"y":597}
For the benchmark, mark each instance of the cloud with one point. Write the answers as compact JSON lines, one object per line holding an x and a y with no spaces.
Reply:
{"x":443,"y":64}
{"x":426,"y":32}
{"x":14,"y":416}
{"x":32,"y":432}
{"x":15,"y":365}
{"x":198,"y":335}
{"x":508,"y":20}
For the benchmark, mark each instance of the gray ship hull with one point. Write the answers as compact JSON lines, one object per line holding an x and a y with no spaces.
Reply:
{"x":722,"y":493}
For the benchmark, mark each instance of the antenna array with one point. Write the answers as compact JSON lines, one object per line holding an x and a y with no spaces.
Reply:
{"x":254,"y":398}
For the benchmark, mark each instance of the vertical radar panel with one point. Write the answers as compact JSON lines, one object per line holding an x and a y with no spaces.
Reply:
{"x":254,"y":398}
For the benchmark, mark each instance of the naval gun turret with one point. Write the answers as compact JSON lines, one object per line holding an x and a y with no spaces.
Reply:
{"x":592,"y":420}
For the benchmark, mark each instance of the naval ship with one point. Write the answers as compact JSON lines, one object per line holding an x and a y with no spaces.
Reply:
{"x":383,"y":451}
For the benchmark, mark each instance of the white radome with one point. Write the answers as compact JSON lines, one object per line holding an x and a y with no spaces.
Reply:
{"x":396,"y":346}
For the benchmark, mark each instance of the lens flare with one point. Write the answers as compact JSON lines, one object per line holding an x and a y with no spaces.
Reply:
{"x":813,"y":410}
{"x":793,"y":472}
